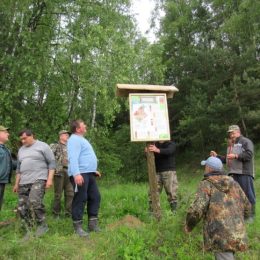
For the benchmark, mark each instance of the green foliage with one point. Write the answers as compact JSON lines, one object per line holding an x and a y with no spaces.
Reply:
{"x":132,"y":155}
{"x":109,"y":160}
{"x":61,"y":60}
{"x":211,"y":54}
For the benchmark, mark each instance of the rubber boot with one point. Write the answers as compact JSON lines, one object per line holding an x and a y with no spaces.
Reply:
{"x":78,"y":229}
{"x":26,"y":226}
{"x":173,"y":206}
{"x":93,"y":224}
{"x":28,"y":236}
{"x":41,"y":229}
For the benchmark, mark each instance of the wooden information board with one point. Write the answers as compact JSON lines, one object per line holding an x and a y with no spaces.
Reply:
{"x":149,"y":117}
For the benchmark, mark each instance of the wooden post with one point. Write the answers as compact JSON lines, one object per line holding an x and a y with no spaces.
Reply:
{"x":155,"y":196}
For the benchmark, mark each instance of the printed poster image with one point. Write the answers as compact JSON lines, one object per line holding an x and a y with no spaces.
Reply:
{"x":149,"y":117}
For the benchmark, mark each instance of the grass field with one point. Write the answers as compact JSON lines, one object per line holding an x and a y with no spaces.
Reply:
{"x":128,"y":231}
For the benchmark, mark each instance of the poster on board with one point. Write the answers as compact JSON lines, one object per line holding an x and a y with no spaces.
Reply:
{"x":149,"y":117}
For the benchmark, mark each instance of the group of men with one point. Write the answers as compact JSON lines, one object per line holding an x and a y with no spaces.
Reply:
{"x":222,"y":201}
{"x":71,"y":163}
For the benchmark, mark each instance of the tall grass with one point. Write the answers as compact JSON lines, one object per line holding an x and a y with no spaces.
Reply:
{"x":128,"y":230}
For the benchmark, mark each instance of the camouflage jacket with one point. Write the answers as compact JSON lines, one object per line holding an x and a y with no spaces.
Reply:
{"x":61,"y":157}
{"x":222,"y":205}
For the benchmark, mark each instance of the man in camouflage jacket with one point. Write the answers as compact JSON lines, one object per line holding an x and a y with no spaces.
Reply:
{"x":61,"y":178}
{"x":222,"y":205}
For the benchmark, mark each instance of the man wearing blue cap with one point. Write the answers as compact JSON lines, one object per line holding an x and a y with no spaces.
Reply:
{"x":240,"y":164}
{"x":222,"y":205}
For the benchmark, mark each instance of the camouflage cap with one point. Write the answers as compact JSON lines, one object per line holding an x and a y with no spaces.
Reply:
{"x":64,"y":132}
{"x":233,"y":128}
{"x":2,"y":128}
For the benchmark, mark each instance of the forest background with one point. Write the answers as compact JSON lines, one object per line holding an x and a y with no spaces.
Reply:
{"x":62,"y":59}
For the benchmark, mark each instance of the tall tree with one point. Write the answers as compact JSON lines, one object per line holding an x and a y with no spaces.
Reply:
{"x":210,"y":47}
{"x":61,"y":60}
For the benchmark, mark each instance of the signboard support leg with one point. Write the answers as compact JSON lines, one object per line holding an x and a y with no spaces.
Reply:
{"x":155,"y":196}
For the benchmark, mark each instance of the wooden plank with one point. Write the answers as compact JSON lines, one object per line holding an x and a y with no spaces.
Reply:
{"x":155,"y":196}
{"x":123,"y":90}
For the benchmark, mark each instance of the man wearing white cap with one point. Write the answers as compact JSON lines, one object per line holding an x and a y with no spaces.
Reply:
{"x":222,"y":205}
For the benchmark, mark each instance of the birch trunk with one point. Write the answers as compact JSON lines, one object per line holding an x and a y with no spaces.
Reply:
{"x":12,"y":26}
{"x":94,"y":111}
{"x":19,"y":34}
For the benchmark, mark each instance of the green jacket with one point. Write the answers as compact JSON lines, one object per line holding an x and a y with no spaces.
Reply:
{"x":5,"y":164}
{"x":61,"y":157}
{"x":222,"y":205}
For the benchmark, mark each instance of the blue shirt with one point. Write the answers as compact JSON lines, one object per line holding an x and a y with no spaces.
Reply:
{"x":81,"y":156}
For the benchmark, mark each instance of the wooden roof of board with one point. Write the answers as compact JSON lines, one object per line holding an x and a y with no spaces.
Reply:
{"x":123,"y":90}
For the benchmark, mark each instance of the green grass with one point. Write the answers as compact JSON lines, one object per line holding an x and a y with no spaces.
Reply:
{"x":143,"y":238}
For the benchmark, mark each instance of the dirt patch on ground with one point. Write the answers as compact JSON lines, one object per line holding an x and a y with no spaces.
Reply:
{"x":129,"y":221}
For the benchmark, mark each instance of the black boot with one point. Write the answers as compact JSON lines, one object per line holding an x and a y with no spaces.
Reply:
{"x":28,"y":228}
{"x":78,"y":229}
{"x":173,"y":206}
{"x":253,"y":211}
{"x":93,"y":224}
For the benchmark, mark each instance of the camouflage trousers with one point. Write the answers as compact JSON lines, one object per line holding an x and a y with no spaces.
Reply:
{"x":168,"y":181}
{"x":30,"y":202}
{"x":62,"y":183}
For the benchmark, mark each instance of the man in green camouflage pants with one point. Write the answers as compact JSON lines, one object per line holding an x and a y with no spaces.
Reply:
{"x":33,"y":210}
{"x":34,"y":173}
{"x":61,"y":178}
{"x":164,"y":153}
{"x":222,"y":205}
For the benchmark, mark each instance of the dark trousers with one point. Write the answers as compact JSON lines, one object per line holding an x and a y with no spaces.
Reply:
{"x":87,"y":193}
{"x":2,"y":190}
{"x":247,"y":185}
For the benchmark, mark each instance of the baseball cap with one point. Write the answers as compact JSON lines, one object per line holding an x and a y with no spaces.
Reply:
{"x":64,"y":132}
{"x":2,"y":128}
{"x":214,"y":163}
{"x":233,"y":128}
